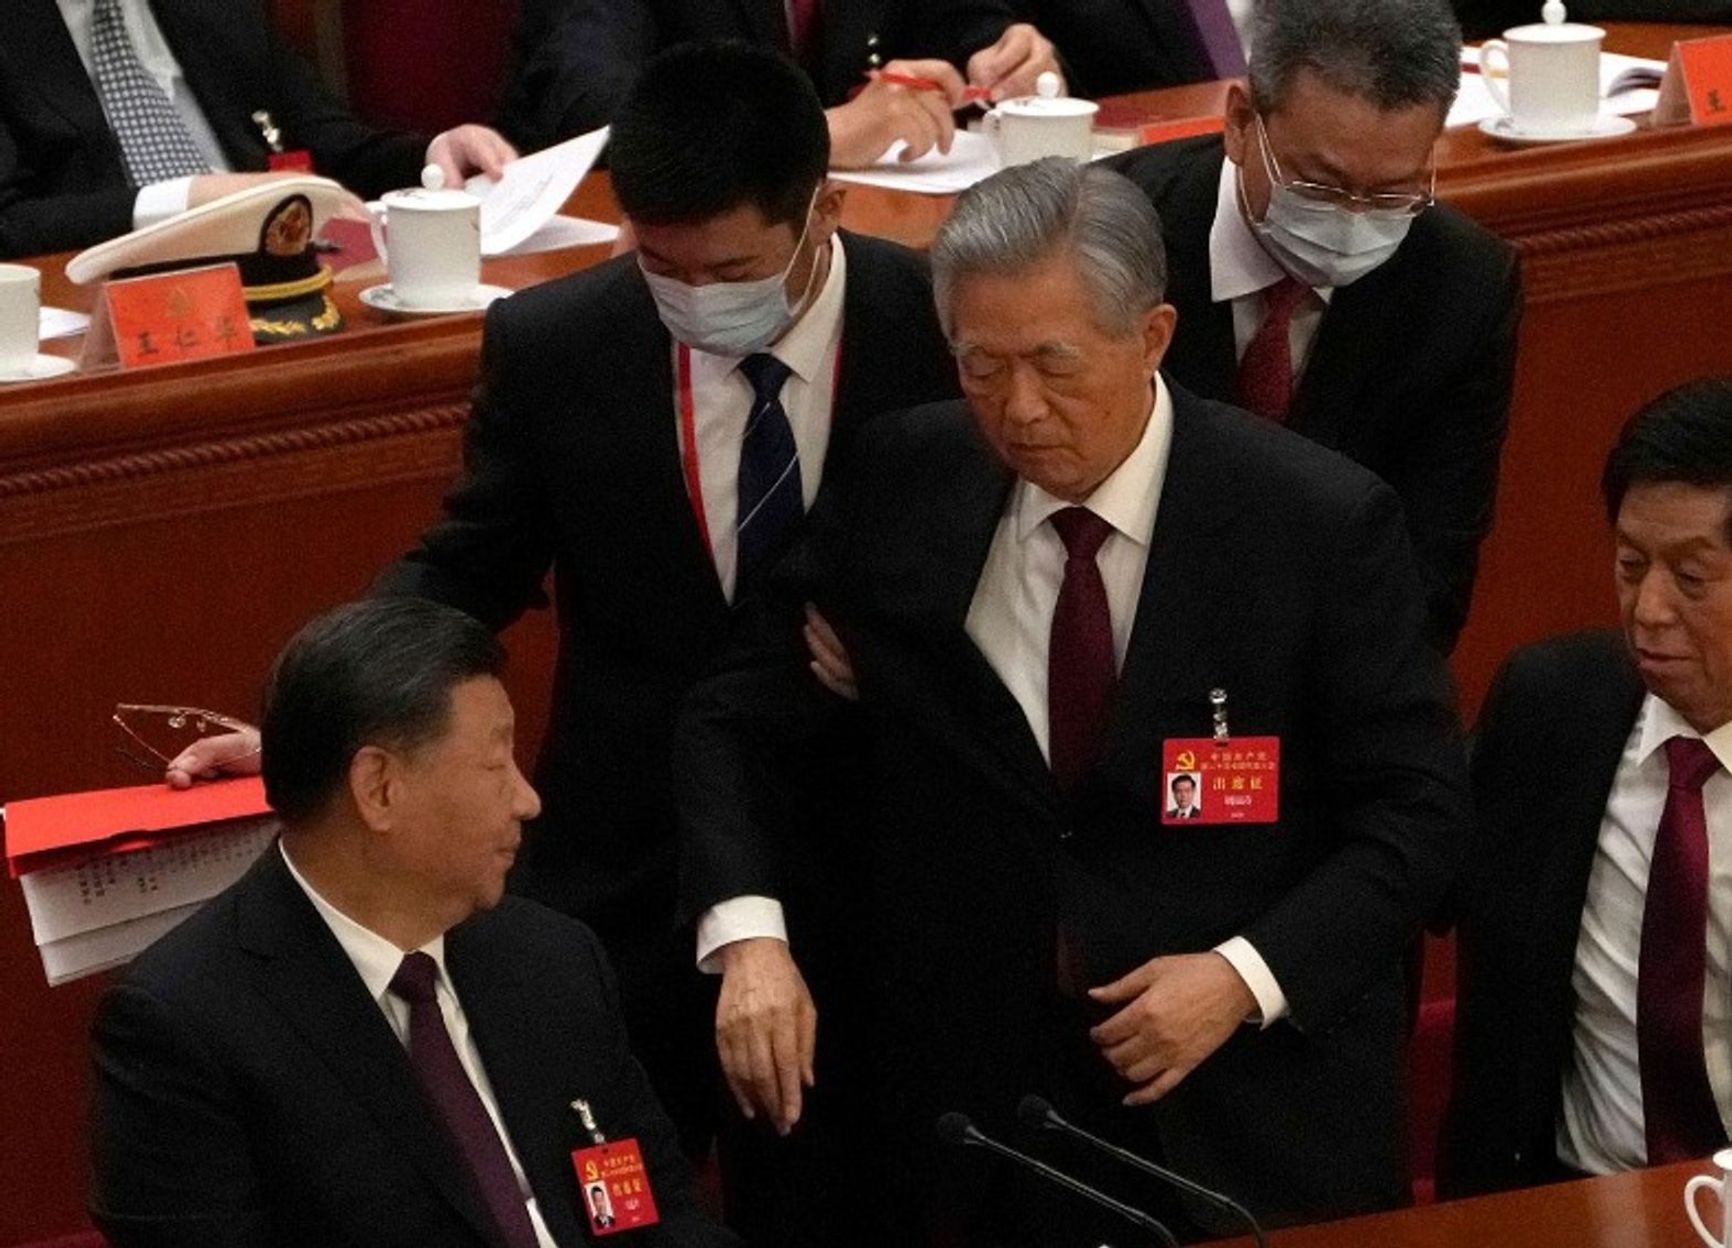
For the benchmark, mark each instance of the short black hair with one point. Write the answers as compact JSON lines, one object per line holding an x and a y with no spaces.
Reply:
{"x":1184,"y":777}
{"x":1684,"y":437}
{"x":375,"y":672}
{"x":1395,"y":53}
{"x":709,"y":127}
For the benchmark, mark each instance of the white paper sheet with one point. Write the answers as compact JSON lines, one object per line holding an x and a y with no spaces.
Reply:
{"x":1474,"y":103}
{"x":62,"y":323}
{"x":971,"y":159}
{"x":108,"y":947}
{"x":532,"y":190}
{"x":121,"y":888}
{"x":562,"y":231}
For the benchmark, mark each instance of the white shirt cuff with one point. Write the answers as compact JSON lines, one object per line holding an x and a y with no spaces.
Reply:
{"x":159,"y":201}
{"x":738,"y":918}
{"x":1243,"y":957}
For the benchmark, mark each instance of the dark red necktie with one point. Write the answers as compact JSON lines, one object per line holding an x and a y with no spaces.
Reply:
{"x":1081,"y":670}
{"x":804,"y":17}
{"x":1266,"y":371}
{"x":1679,"y":1115}
{"x":457,"y":1103}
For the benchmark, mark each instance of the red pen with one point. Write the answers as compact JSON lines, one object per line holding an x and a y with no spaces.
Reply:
{"x":970,"y":94}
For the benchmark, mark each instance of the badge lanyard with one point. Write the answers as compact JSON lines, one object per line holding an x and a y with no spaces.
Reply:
{"x":689,"y":436}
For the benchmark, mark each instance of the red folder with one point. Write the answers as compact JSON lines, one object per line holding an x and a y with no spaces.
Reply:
{"x":75,"y":827}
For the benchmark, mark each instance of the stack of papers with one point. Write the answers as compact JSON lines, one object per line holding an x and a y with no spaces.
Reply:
{"x":105,"y":874}
{"x":520,"y":212}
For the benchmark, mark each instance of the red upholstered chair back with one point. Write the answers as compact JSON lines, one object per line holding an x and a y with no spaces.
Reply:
{"x":1428,"y":1061}
{"x":84,"y":1239}
{"x":426,"y":65}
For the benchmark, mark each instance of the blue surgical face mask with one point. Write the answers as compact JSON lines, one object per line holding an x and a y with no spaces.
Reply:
{"x":730,"y":318}
{"x":1319,"y":243}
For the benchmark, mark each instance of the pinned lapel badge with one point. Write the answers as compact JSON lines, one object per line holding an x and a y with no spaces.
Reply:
{"x":277,"y":158}
{"x":615,"y":1184}
{"x":1219,"y":779}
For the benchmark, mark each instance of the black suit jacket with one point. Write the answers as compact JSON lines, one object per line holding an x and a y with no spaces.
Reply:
{"x":1114,"y":46}
{"x":577,"y":59}
{"x":249,"y":1090}
{"x":1301,"y":601}
{"x":63,"y":183}
{"x":1546,"y":751}
{"x":572,"y":461}
{"x":1410,"y":373}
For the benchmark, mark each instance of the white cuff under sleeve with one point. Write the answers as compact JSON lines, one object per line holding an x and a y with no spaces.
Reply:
{"x":159,"y":201}
{"x":738,"y":918}
{"x":1242,"y":955}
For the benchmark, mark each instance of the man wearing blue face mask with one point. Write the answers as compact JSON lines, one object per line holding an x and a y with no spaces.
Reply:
{"x":652,"y":430}
{"x":1319,"y":285}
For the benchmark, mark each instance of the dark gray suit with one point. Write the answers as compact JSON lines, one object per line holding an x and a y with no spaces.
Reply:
{"x":63,"y":184}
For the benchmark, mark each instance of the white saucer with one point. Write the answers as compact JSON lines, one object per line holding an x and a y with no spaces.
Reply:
{"x":1605,"y":126}
{"x":40,"y":369}
{"x":383,"y":299}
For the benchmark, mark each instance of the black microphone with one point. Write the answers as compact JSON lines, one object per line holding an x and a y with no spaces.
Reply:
{"x":955,"y":1128}
{"x":1035,"y":1111}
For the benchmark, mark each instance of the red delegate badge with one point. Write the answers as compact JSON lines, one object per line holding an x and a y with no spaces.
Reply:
{"x":616,"y":1187}
{"x":1220,"y":781}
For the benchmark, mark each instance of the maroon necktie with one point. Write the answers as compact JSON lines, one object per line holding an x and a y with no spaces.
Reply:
{"x":1081,"y":670}
{"x":456,"y":1101}
{"x":1679,"y":1115}
{"x":1266,"y":371}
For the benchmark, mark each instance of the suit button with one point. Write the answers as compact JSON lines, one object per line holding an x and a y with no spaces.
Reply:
{"x":872,"y":40}
{"x":1066,"y":834}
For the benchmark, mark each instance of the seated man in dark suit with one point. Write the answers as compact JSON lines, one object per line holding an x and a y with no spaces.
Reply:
{"x":1041,"y":590}
{"x":115,"y":114}
{"x":576,"y":61}
{"x":1319,"y":285}
{"x":363,"y":1041}
{"x":1594,"y":909}
{"x":609,"y":443}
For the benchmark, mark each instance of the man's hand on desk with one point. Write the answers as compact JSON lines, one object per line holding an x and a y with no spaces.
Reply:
{"x":1009,"y":67}
{"x":766,"y":1029}
{"x":1177,"y":1011}
{"x":231,"y":754}
{"x":886,"y":110}
{"x":467,"y":150}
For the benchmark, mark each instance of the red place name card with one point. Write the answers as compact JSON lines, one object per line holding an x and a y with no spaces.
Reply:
{"x":165,"y":318}
{"x":1697,"y":88}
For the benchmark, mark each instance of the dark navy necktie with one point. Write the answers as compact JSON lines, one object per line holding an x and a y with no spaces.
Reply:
{"x":453,"y":1096}
{"x":770,"y":501}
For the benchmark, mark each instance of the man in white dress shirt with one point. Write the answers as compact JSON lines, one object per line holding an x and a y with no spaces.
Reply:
{"x":363,"y":1041}
{"x":115,"y":114}
{"x":1595,"y":1007}
{"x":1039,"y":589}
{"x":1320,"y":286}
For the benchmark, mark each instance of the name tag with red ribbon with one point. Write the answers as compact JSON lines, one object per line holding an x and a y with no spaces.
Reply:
{"x":1205,"y":781}
{"x":616,"y":1187}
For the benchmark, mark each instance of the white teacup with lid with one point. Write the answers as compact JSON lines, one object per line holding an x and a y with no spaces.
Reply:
{"x":434,"y":253}
{"x":1044,"y":124}
{"x":1552,"y":72}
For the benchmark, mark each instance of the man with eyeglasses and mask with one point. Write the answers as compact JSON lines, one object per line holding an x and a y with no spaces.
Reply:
{"x":1319,"y":285}
{"x":652,"y":430}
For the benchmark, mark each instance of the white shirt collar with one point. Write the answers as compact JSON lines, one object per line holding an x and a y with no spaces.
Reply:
{"x":1238,"y":264}
{"x":1661,"y":722}
{"x":1130,"y":495}
{"x":376,"y":959}
{"x":806,"y":343}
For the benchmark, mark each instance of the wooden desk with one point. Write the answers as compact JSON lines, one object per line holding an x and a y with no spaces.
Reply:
{"x":163,"y":532}
{"x":1642,"y":1209}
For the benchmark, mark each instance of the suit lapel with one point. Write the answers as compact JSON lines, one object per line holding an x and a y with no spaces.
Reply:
{"x":1166,"y":659}
{"x":59,"y":76}
{"x":498,"y":1000}
{"x":1202,"y":357}
{"x":306,"y":974}
{"x":185,"y":24}
{"x":1353,"y":330}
